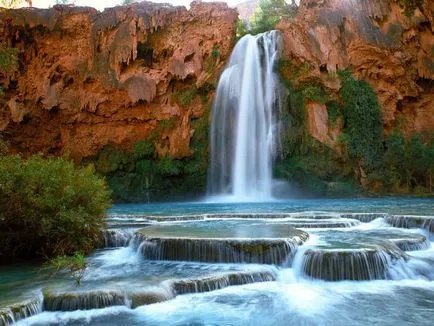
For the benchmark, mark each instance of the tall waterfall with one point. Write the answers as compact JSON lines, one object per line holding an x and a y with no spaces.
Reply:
{"x":244,"y":129}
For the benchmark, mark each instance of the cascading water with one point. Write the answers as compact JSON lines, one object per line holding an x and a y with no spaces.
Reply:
{"x":244,"y":129}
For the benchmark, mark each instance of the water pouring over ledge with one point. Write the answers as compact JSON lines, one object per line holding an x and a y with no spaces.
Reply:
{"x":244,"y":128}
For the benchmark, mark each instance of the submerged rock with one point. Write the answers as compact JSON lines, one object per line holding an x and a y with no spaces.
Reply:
{"x":151,"y":295}
{"x":350,"y":264}
{"x":409,"y":222}
{"x":116,"y":238}
{"x":261,"y":251}
{"x":71,"y":301}
{"x":211,"y":242}
{"x":217,"y":282}
{"x":21,"y":310}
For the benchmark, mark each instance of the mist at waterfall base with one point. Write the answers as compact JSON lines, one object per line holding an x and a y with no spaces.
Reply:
{"x":245,"y":127}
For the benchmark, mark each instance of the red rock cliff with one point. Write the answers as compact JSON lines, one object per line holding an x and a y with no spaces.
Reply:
{"x":379,"y":43}
{"x":87,"y":79}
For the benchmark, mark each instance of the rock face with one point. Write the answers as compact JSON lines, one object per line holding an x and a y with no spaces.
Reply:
{"x":379,"y":43}
{"x":88,"y":79}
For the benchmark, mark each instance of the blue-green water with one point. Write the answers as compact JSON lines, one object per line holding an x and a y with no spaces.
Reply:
{"x":405,"y":297}
{"x":417,"y":206}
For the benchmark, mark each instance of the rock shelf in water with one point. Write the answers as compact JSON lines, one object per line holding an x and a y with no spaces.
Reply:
{"x":212,"y":242}
{"x":350,"y":264}
{"x":359,"y":255}
{"x":22,"y":310}
{"x":96,"y":299}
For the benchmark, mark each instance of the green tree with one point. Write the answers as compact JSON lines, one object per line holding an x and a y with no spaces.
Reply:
{"x":393,"y":159}
{"x":414,"y":164}
{"x":363,"y":121}
{"x":48,"y":207}
{"x":242,"y":28}
{"x":270,"y":12}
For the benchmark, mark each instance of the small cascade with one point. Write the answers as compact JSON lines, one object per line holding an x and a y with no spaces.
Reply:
{"x":259,"y":251}
{"x":364,"y":217}
{"x":19,"y":311}
{"x":218,"y":282}
{"x":411,"y":222}
{"x":416,"y":242}
{"x":244,"y":128}
{"x":116,"y":238}
{"x":350,"y":264}
{"x":71,"y":301}
{"x":151,"y":295}
{"x":6,"y":317}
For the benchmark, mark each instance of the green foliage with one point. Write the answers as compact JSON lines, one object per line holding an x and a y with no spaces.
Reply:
{"x":111,"y":159}
{"x":215,"y":51}
{"x":8,"y":59}
{"x":407,"y":164}
{"x":74,"y":265}
{"x":410,"y":6}
{"x":169,"y":167}
{"x":186,"y":96}
{"x":270,"y":12}
{"x":168,"y":123}
{"x":363,"y":122}
{"x":242,"y":28}
{"x":315,"y":93}
{"x":62,"y":2}
{"x":128,"y":2}
{"x":334,"y":112}
{"x":49,"y":207}
{"x":144,"y":149}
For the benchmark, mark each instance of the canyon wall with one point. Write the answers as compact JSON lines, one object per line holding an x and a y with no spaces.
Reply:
{"x":87,"y":79}
{"x":379,"y":43}
{"x":130,"y":89}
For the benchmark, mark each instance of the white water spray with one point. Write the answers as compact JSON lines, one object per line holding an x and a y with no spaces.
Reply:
{"x":244,"y":129}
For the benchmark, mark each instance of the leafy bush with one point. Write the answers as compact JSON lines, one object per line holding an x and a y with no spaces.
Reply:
{"x":48,"y":207}
{"x":187,"y":96}
{"x":270,"y":12}
{"x":242,"y":28}
{"x":315,"y":93}
{"x":143,"y":149}
{"x":111,"y":159}
{"x":363,"y":121}
{"x":74,"y":265}
{"x":334,"y":112}
{"x":8,"y":59}
{"x":169,"y":167}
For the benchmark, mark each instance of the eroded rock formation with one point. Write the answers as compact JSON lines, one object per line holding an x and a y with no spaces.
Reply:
{"x":377,"y":42}
{"x":88,"y":79}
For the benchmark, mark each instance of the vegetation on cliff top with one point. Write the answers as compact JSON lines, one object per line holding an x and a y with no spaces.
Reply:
{"x":266,"y":17}
{"x":49,"y":207}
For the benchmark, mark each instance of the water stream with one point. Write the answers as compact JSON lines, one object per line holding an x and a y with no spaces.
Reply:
{"x":307,"y":262}
{"x":244,"y":128}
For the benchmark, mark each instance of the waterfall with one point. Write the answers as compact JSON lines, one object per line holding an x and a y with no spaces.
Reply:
{"x":244,"y":128}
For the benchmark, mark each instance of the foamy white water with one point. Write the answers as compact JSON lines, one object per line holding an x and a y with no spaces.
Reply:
{"x":244,"y":129}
